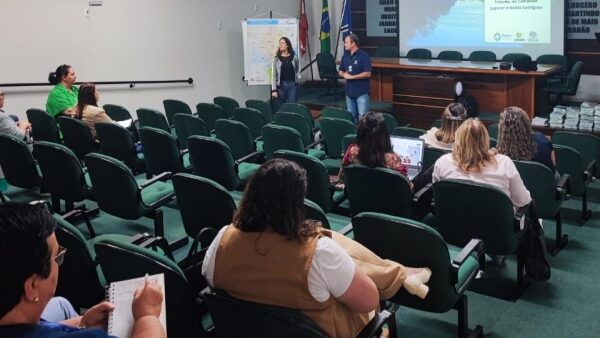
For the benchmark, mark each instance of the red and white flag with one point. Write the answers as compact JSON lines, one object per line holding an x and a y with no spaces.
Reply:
{"x":303,"y":28}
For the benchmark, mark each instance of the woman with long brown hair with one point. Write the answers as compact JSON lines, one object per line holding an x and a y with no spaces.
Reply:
{"x":443,"y":138}
{"x":87,"y":107}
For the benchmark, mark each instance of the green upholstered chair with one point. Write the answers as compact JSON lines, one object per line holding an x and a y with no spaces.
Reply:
{"x":17,"y":162}
{"x":173,"y":107}
{"x":319,"y":188}
{"x":328,"y":72}
{"x":565,"y":85}
{"x":119,"y":194}
{"x":437,"y":123}
{"x":80,"y":280}
{"x":473,"y":216}
{"x":203,"y":203}
{"x":390,"y":121}
{"x":252,"y":118}
{"x":212,"y":158}
{"x":153,"y":119}
{"x":117,"y":142}
{"x":303,"y":127}
{"x":209,"y":113}
{"x":493,"y":142}
{"x":419,"y":53}
{"x":555,"y":59}
{"x":416,"y":244}
{"x":43,"y":126}
{"x":430,"y":155}
{"x":116,"y":112}
{"x":333,"y":131}
{"x":114,"y":252}
{"x":378,"y":190}
{"x":333,"y":221}
{"x":588,"y":145}
{"x":408,"y":132}
{"x":450,"y":55}
{"x":347,"y":140}
{"x":77,"y":136}
{"x":493,"y":130}
{"x":238,"y":318}
{"x":570,"y":161}
{"x":276,"y":137}
{"x":187,"y":125}
{"x":227,"y":103}
{"x":161,"y":152}
{"x":511,"y":57}
{"x":337,"y":113}
{"x":238,"y":137}
{"x":547,"y":194}
{"x":482,"y":56}
{"x":64,"y":176}
{"x":263,"y":106}
{"x":298,"y":108}
{"x":387,"y":52}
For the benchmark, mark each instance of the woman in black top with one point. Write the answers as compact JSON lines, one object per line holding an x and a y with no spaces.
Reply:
{"x":285,"y":73}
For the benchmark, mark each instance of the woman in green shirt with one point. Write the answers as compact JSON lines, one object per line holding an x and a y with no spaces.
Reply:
{"x":63,"y":97}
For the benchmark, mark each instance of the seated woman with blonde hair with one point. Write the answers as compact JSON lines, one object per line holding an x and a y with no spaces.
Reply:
{"x":443,"y":138}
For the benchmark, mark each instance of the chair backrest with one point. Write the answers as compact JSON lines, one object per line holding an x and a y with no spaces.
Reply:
{"x":297,"y":108}
{"x":511,"y":57}
{"x":43,"y":126}
{"x":238,"y":318}
{"x":296,"y":122}
{"x":387,"y":52}
{"x":413,"y":244}
{"x":116,"y":112}
{"x":437,"y":123}
{"x":81,"y":280}
{"x":588,"y":145}
{"x":326,"y":65}
{"x":313,"y":211}
{"x":277,"y":137}
{"x":173,"y":107}
{"x":316,"y":177}
{"x":540,"y":182}
{"x":337,"y":113}
{"x":227,"y":103}
{"x":117,"y":142}
{"x":77,"y":136}
{"x":63,"y":174}
{"x":430,"y":155}
{"x":17,"y":162}
{"x":115,"y":189}
{"x":390,"y":121}
{"x":333,"y":131}
{"x":202,"y":203}
{"x":236,"y":135}
{"x":209,"y":113}
{"x":115,"y":252}
{"x":419,"y":53}
{"x":482,"y":56}
{"x":252,"y":118}
{"x":187,"y":125}
{"x":348,"y":140}
{"x":212,"y":158}
{"x":408,"y":132}
{"x":474,"y":216}
{"x":493,"y":130}
{"x":573,"y":77}
{"x":161,"y":152}
{"x":569,"y":161}
{"x":450,"y":55}
{"x":377,"y":190}
{"x":555,"y":59}
{"x":263,"y":106}
{"x":153,"y":118}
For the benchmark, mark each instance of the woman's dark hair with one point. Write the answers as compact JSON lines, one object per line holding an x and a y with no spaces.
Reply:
{"x":373,"y":139}
{"x":57,"y":76}
{"x":24,"y":230}
{"x":87,"y":96}
{"x":289,"y":47}
{"x":274,"y":198}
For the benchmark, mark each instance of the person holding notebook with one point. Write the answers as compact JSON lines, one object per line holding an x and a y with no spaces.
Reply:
{"x":29,"y":261}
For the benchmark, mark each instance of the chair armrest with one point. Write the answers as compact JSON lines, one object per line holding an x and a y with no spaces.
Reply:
{"x":346,"y":229}
{"x":590,"y":171}
{"x":244,"y":159}
{"x":161,"y":177}
{"x":139,"y":238}
{"x":417,"y":196}
{"x":157,"y":242}
{"x":314,"y":144}
{"x":374,"y":325}
{"x":521,"y":211}
{"x":71,"y":215}
{"x":563,"y":188}
{"x":474,"y":246}
{"x":258,"y":139}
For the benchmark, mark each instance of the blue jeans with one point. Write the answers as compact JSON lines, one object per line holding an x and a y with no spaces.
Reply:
{"x":286,"y":93}
{"x":58,"y":309}
{"x":358,"y":106}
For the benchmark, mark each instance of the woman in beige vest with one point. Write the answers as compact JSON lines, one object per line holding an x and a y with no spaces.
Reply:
{"x":87,"y":107}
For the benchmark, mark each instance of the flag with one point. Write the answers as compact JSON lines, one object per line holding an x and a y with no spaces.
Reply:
{"x":303,"y":28}
{"x":346,"y":26}
{"x":324,"y":37}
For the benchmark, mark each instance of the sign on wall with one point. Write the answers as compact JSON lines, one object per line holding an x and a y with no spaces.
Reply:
{"x":382,"y":18}
{"x":582,"y":19}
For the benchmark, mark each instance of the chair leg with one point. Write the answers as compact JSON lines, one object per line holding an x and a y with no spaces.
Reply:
{"x":585,"y":213}
{"x":461,"y":306}
{"x":159,"y":227}
{"x":561,"y":240}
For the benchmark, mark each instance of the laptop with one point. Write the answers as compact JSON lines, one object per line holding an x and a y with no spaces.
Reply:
{"x":411,"y":152}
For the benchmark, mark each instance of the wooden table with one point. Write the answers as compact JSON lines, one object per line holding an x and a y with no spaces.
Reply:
{"x":421,"y":89}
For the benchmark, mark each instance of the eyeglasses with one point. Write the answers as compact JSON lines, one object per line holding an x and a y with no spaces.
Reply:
{"x":60,"y":256}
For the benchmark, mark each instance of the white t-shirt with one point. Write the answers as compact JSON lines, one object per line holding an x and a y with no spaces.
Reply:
{"x":330,"y":273}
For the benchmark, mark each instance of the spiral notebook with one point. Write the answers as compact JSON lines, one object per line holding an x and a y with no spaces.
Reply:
{"x":120,"y":320}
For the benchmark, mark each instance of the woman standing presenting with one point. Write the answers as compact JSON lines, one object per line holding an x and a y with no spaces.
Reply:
{"x":285,"y":73}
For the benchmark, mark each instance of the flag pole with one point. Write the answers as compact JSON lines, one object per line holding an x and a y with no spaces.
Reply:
{"x":337,"y":42}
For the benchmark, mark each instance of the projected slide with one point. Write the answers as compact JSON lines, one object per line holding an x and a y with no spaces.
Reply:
{"x":523,"y":21}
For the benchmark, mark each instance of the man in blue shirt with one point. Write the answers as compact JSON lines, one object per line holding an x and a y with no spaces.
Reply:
{"x":356,"y":69}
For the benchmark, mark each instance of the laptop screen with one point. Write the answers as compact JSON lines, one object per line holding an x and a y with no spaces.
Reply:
{"x":410,"y":150}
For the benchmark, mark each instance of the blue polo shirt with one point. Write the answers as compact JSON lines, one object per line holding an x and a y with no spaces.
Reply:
{"x":357,"y":63}
{"x":49,"y":330}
